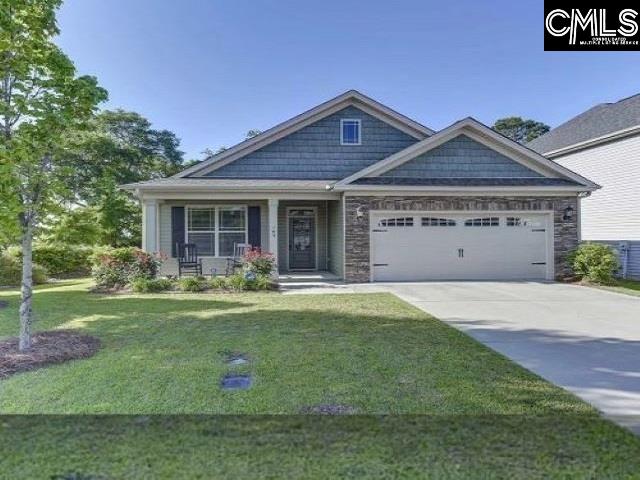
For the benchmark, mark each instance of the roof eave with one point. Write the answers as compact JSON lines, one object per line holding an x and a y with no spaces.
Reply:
{"x":470,"y":189}
{"x":593,"y":142}
{"x":225,"y":188}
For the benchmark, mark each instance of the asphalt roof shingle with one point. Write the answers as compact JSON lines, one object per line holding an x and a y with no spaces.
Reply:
{"x":598,"y":121}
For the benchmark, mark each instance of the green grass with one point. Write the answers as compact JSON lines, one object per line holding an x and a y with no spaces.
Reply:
{"x":465,"y":410}
{"x":628,"y":287}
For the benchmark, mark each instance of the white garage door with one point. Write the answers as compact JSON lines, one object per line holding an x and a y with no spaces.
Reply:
{"x":471,"y":246}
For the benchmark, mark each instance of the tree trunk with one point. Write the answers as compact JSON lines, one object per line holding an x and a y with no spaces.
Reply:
{"x":26,"y":309}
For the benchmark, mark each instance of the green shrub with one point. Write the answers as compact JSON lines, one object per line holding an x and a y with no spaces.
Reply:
{"x":118,"y":267}
{"x":264,"y":282}
{"x":193,"y":284}
{"x":11,"y":270}
{"x":595,"y":262}
{"x":145,"y":285}
{"x":218,"y":283}
{"x":238,"y":282}
{"x":59,"y":259}
{"x":242,"y":282}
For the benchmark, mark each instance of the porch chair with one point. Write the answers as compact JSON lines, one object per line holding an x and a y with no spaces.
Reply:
{"x":239,"y":249}
{"x":188,"y":260}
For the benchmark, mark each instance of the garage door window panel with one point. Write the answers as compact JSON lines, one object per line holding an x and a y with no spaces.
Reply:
{"x":482,"y":222}
{"x":438,"y":222}
{"x":523,"y":222}
{"x":396,"y":222}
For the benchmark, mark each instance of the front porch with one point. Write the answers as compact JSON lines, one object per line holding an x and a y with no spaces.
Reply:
{"x":304,"y":234}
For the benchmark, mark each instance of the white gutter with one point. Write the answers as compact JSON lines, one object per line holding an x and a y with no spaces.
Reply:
{"x":440,"y":188}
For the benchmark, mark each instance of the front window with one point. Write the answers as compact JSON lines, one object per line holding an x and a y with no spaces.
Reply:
{"x":350,"y":132}
{"x":232,"y":229}
{"x":216,"y":230}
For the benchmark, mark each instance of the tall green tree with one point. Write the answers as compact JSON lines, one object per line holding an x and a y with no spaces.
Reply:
{"x":40,"y":99}
{"x":519,"y":129}
{"x":254,"y":132}
{"x":117,"y":147}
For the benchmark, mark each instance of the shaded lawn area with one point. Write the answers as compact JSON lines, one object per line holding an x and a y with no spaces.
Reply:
{"x":466,"y":411}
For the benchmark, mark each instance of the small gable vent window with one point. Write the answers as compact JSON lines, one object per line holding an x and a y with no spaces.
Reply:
{"x":396,"y":222}
{"x":350,"y":131}
{"x":482,"y":222}
{"x":438,"y":222}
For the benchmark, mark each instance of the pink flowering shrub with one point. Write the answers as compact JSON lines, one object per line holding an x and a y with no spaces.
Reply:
{"x":259,"y":262}
{"x":118,"y":267}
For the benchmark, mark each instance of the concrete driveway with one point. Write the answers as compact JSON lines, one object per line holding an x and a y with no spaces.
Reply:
{"x":583,"y":339}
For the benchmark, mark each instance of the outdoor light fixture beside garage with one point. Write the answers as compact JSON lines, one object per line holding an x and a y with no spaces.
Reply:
{"x":568,"y":214}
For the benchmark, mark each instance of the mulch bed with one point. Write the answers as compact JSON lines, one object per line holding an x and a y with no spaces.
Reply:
{"x":47,"y":348}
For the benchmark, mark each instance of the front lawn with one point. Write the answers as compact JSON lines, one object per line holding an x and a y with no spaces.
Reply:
{"x":467,"y":411}
{"x":630,"y":287}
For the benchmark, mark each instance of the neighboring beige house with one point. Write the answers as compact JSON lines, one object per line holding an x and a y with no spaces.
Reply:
{"x":603,"y":144}
{"x":358,"y":189}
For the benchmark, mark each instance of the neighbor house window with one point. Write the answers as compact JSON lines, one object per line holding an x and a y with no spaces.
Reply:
{"x":350,"y":132}
{"x":215,"y":230}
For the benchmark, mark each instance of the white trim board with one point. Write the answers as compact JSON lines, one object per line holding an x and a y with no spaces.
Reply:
{"x":350,"y":98}
{"x":478,"y":132}
{"x":426,"y":191}
{"x":358,"y":122}
{"x":241,"y":196}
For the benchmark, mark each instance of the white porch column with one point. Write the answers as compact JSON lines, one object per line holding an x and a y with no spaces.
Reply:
{"x":150,"y":225}
{"x":273,"y":229}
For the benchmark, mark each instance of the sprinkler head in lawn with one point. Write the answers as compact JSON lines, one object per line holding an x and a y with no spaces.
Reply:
{"x":235,"y":382}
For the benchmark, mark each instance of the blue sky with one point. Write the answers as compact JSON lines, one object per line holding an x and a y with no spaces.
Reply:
{"x":211,"y":70}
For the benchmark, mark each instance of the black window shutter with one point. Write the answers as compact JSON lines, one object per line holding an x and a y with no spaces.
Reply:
{"x":177,"y":228}
{"x":254,"y":227}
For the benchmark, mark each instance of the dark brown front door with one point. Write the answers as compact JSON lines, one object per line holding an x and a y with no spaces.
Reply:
{"x":302,"y":245}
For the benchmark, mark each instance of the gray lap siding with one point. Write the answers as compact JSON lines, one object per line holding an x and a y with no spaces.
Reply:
{"x":357,"y":236}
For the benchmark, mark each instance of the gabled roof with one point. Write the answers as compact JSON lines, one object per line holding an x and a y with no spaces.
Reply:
{"x":350,"y":98}
{"x":597,"y":123}
{"x":480,"y":133}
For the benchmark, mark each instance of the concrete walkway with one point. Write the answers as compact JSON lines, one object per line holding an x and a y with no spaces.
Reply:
{"x":583,"y":339}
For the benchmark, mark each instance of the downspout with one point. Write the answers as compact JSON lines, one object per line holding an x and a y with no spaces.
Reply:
{"x":623,"y":252}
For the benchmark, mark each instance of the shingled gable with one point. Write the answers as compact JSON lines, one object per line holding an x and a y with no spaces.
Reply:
{"x":538,"y":165}
{"x":349,"y":98}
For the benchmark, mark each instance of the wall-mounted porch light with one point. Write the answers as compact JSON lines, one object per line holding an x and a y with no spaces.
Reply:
{"x":568,"y":214}
{"x":360,"y":213}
